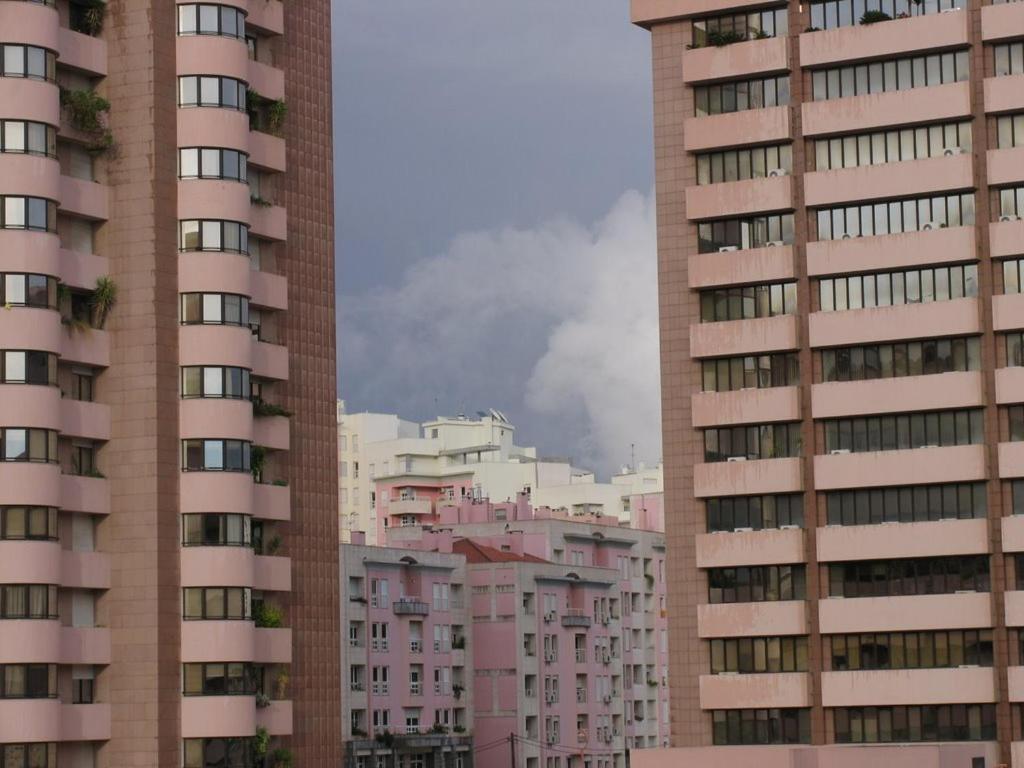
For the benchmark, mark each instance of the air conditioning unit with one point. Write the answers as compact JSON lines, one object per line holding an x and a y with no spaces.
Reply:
{"x":606,"y":659}
{"x":549,"y":697}
{"x":839,"y":451}
{"x":728,"y":248}
{"x":789,"y":527}
{"x":1009,"y":217}
{"x":737,"y":458}
{"x":774,"y":243}
{"x":607,"y":698}
{"x":777,"y":172}
{"x":929,"y":225}
{"x":952,"y":151}
{"x":743,"y":530}
{"x":549,"y":656}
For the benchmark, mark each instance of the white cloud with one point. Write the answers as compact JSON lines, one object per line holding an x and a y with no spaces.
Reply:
{"x":555,"y":325}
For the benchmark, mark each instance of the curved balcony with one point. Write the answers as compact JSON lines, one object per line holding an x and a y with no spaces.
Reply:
{"x":272,"y":502}
{"x":83,"y":52}
{"x":266,"y":80}
{"x":224,"y":417}
{"x":30,"y":175}
{"x":754,"y":265}
{"x":936,"y":103}
{"x":217,"y":641}
{"x":24,"y":251}
{"x":216,"y":492}
{"x":783,"y":689}
{"x":879,"y":469}
{"x":84,"y":419}
{"x":837,"y":543}
{"x":31,"y":328}
{"x":272,"y":573}
{"x":272,"y":432}
{"x":84,"y":494}
{"x":788,"y":617}
{"x":216,"y":344}
{"x":212,"y":55}
{"x":745,"y":406}
{"x":30,"y":720}
{"x":205,"y":127}
{"x":885,"y":40}
{"x":269,"y":222}
{"x":735,"y":129}
{"x":966,"y":610}
{"x":266,"y":151}
{"x":957,"y":317}
{"x":212,"y":716}
{"x":200,"y":272}
{"x":767,"y":547}
{"x":896,"y":687}
{"x":30,"y":405}
{"x":273,"y":646}
{"x":90,"y":346}
{"x":87,"y":199}
{"x":744,"y":337}
{"x":267,"y":15}
{"x":25,"y":99}
{"x":80,"y":270}
{"x":935,"y":392}
{"x":213,"y":199}
{"x":276,"y":718}
{"x":224,"y":566}
{"x":84,"y":645}
{"x":748,"y":58}
{"x":269,"y":290}
{"x":910,"y":249}
{"x":30,"y":562}
{"x":270,"y":361}
{"x":30,"y":483}
{"x":29,"y":641}
{"x":727,"y":478}
{"x":30,"y":23}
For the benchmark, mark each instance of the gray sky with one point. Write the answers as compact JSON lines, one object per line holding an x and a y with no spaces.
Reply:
{"x":486,"y":255}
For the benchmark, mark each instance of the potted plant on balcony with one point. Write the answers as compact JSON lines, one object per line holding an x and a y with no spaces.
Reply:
{"x":268,"y":616}
{"x":385,"y":738}
{"x":281,"y":758}
{"x":260,"y":743}
{"x":281,"y":683}
{"x":457,"y":690}
{"x":102,"y":300}
{"x":873,"y":17}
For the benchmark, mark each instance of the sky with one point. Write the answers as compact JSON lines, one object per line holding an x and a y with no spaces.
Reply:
{"x":494,"y":219}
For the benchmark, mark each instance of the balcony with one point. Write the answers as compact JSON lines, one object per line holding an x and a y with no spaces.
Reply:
{"x":272,"y":646}
{"x":1015,"y":688}
{"x":749,"y":58}
{"x":271,"y":502}
{"x":267,"y":15}
{"x":787,"y":617}
{"x":266,"y":151}
{"x":276,"y":718}
{"x":934,"y":392}
{"x":85,"y":570}
{"x":91,"y":347}
{"x":739,"y":198}
{"x":1011,"y":460}
{"x":1005,"y":166}
{"x":402,"y":507}
{"x":80,"y":270}
{"x":86,"y":199}
{"x":266,"y":80}
{"x":884,"y":40}
{"x":1005,"y":237}
{"x":84,"y":494}
{"x":1008,"y":311}
{"x":965,"y":610}
{"x":727,"y":478}
{"x":735,"y":129}
{"x":269,"y":290}
{"x":767,"y":547}
{"x":889,"y":181}
{"x":784,"y":689}
{"x":745,"y":406}
{"x":878,"y":469}
{"x":1013,"y":533}
{"x":269,"y":221}
{"x":896,"y":687}
{"x":218,"y":640}
{"x":269,"y":360}
{"x":1001,"y":22}
{"x":272,"y":432}
{"x":211,"y":716}
{"x":83,"y":52}
{"x":574,"y":617}
{"x":754,"y":265}
{"x":647,"y":12}
{"x":410,"y":606}
{"x":84,"y":722}
{"x":1014,"y":608}
{"x":1004,"y":94}
{"x":900,"y":540}
{"x":83,"y":419}
{"x":744,"y":337}
{"x":956,"y":317}
{"x":882,"y":110}
{"x":84,"y":645}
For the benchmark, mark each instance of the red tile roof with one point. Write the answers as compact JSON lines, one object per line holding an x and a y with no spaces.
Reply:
{"x":481,"y":553}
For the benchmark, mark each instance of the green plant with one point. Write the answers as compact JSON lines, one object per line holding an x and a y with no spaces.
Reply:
{"x":281,"y":758}
{"x":385,"y":738}
{"x":458,"y":729}
{"x":280,"y":483}
{"x":267,"y":616}
{"x":277,"y":111}
{"x":457,"y":690}
{"x":281,"y":682}
{"x":813,"y":29}
{"x":257,"y":200}
{"x":87,"y":16}
{"x":86,"y":110}
{"x":438,"y":728}
{"x":102,"y":300}
{"x":261,"y":407}
{"x":459,"y":642}
{"x":257,"y":459}
{"x":261,"y":741}
{"x":273,"y":544}
{"x":728,"y":37}
{"x":358,"y":732}
{"x":873,"y":17}
{"x":75,"y":323}
{"x":761,"y":35}
{"x":262,"y":700}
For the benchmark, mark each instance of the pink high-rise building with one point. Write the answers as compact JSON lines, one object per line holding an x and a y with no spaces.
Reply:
{"x":168,"y":564}
{"x":840,"y":185}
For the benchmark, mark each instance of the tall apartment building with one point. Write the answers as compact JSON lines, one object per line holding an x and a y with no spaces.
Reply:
{"x":407,"y":658}
{"x":839,"y":191}
{"x":569,"y":632}
{"x":167,"y":533}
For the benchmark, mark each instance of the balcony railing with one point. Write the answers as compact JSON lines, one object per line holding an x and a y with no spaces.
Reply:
{"x":409,"y":606}
{"x":575,"y":618}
